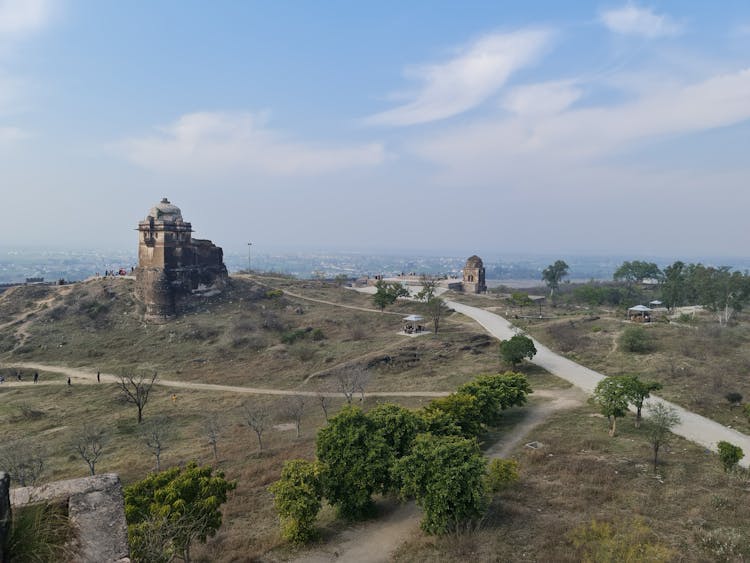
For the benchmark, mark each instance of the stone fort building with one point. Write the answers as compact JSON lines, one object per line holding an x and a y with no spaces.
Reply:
{"x":172,"y":264}
{"x":473,"y":279}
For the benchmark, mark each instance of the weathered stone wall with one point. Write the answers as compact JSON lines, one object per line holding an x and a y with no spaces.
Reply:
{"x":171,"y":264}
{"x":96,"y":510}
{"x":4,"y":516}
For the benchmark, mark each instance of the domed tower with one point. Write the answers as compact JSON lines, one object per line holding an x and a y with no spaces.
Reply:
{"x":171,"y":262}
{"x":473,"y":281}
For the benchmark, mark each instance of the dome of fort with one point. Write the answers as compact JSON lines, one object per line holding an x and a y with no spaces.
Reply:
{"x":474,"y":262}
{"x":165,"y":211}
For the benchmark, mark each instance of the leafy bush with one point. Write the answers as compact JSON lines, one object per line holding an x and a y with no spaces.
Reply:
{"x":733,"y":398}
{"x":172,"y":508}
{"x":292,"y":336}
{"x":729,"y":455}
{"x":297,"y":497}
{"x":635,"y":339}
{"x":274,"y":293}
{"x":500,"y":474}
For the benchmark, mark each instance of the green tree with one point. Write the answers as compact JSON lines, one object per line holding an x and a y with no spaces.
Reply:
{"x":516,"y":348}
{"x":661,"y":419}
{"x":729,"y":455}
{"x":297,"y":496}
{"x":185,"y":503}
{"x":446,"y":476}
{"x":674,"y":285}
{"x":553,"y":275}
{"x":387,"y":293}
{"x":611,"y":395}
{"x":638,"y":391}
{"x":357,"y":461}
{"x":637,"y":271}
{"x":495,"y":393}
{"x":398,"y":425}
{"x":459,"y":409}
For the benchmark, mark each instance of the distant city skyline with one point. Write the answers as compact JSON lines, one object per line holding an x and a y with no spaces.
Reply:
{"x":548,"y":128}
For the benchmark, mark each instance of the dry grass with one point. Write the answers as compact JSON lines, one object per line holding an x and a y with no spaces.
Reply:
{"x":697,"y":363}
{"x":695,"y":511}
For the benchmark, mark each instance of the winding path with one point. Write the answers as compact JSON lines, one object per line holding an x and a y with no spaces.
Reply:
{"x":692,"y":426}
{"x":80,"y":375}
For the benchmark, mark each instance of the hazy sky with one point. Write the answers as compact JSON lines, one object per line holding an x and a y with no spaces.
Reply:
{"x":543,"y":127}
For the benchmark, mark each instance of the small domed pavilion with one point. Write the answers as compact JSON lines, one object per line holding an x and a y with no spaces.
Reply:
{"x":473,"y":279}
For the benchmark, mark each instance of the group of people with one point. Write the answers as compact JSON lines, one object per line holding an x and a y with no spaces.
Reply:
{"x":19,"y":377}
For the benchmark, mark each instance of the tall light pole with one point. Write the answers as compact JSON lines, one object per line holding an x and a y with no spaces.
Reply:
{"x":249,"y":265}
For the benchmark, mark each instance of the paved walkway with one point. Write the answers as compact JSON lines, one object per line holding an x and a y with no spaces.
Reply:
{"x":694,"y":427}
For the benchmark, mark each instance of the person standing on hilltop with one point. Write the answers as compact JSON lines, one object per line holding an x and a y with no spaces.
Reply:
{"x":98,"y":376}
{"x":36,"y":376}
{"x":68,"y":380}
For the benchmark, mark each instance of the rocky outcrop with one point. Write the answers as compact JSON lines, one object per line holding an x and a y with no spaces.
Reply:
{"x":96,"y":510}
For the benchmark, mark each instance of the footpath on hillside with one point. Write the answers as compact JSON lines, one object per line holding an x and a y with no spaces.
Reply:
{"x":692,"y":426}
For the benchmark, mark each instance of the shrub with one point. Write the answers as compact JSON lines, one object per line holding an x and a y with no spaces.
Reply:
{"x":292,"y":336}
{"x":635,"y":339}
{"x":297,"y":497}
{"x":729,"y":455}
{"x":733,"y":398}
{"x":500,"y":474}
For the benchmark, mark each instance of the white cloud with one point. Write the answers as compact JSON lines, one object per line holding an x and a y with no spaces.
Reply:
{"x":19,"y":17}
{"x":542,"y":99}
{"x":573,"y":137}
{"x":465,"y":81}
{"x":217,"y":142}
{"x":634,"y":20}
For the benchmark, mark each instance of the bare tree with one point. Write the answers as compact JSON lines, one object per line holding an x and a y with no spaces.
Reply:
{"x":351,"y":381}
{"x":156,"y":433}
{"x":136,"y":389}
{"x":661,"y":419}
{"x":324,"y":400}
{"x":23,"y":460}
{"x":258,"y":418}
{"x":294,"y":408}
{"x":213,"y":429}
{"x":89,"y":444}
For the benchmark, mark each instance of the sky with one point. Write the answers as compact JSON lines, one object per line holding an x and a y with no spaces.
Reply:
{"x":536,"y":127}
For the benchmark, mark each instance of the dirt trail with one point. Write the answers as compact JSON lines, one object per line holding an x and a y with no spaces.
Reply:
{"x":84,"y":376}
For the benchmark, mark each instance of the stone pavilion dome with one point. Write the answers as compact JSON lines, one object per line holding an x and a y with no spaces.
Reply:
{"x":474,"y":262}
{"x":165,"y":211}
